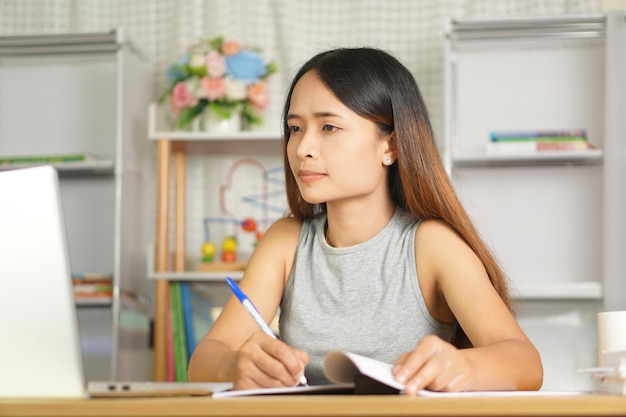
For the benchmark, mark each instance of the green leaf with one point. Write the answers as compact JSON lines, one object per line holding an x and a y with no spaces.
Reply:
{"x":187,"y":115}
{"x":271,"y":68}
{"x":216,"y":43}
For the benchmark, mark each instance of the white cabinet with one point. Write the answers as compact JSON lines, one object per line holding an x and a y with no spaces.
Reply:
{"x":87,"y":93}
{"x":552,"y":218}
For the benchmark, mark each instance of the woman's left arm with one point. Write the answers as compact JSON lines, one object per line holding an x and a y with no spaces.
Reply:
{"x":456,"y":287}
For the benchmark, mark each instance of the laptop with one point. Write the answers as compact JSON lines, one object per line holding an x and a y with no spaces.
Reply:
{"x":40,"y":353}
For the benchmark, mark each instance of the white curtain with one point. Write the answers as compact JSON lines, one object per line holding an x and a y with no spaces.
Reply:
{"x":288,"y":31}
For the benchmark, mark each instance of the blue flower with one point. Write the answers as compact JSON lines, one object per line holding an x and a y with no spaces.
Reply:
{"x":246,"y":66}
{"x":176,"y":71}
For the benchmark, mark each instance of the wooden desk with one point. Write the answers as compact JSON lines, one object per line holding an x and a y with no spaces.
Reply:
{"x":586,"y":405}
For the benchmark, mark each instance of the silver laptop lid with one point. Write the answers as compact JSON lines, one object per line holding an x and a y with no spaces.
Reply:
{"x":40,"y":352}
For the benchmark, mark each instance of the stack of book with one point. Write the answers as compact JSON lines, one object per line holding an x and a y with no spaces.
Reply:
{"x":190,"y":317}
{"x":532,"y":141}
{"x":92,"y":286}
{"x":45,"y":159}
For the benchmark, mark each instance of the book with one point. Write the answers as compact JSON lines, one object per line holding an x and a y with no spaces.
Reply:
{"x":92,"y":285}
{"x":92,"y":276}
{"x":169,"y":356}
{"x":46,"y":159}
{"x":203,"y":313}
{"x":181,"y":358}
{"x":525,"y":142}
{"x":545,"y":135}
{"x":350,"y":373}
{"x":187,"y":311}
{"x":535,"y":146}
{"x":93,"y":290}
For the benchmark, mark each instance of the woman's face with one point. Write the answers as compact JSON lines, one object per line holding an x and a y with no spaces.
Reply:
{"x":334,"y":154}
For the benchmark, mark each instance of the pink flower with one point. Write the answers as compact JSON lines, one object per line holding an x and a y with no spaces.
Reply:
{"x":258,"y":95}
{"x":215,"y":64}
{"x":214,"y":88}
{"x":230,"y":48}
{"x":174,"y":106}
{"x":182,"y":97}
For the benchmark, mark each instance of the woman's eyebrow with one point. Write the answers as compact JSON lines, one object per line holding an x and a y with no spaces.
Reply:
{"x":317,"y":115}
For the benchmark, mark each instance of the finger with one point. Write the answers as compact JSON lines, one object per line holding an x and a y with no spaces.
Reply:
{"x":257,"y":379}
{"x":400,"y":362}
{"x":435,"y":375}
{"x":250,"y":375}
{"x":276,"y":370}
{"x":293,"y":360}
{"x":256,"y":367}
{"x":410,"y":363}
{"x":288,"y":363}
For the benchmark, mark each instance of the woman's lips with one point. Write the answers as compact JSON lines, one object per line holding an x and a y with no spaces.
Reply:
{"x":310,"y":176}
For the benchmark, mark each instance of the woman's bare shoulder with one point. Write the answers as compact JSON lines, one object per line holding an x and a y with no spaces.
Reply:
{"x":285,"y":228}
{"x":275,"y":251}
{"x":281,"y":237}
{"x":435,"y":231}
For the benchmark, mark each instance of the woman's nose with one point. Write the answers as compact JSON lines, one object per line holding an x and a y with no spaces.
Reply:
{"x":307,"y":145}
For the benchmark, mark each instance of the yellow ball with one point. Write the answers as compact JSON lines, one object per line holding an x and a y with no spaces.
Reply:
{"x":229,"y":244}
{"x":209,"y":249}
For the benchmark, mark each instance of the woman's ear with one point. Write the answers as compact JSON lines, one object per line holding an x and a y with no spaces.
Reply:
{"x":389,"y":149}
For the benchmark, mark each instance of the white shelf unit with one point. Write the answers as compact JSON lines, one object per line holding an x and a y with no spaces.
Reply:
{"x":168,"y":259}
{"x":550,"y":217}
{"x":588,"y":157}
{"x":87,"y":93}
{"x":104,"y":167}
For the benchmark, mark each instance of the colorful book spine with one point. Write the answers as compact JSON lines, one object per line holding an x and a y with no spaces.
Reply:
{"x":45,"y":159}
{"x":539,"y":135}
{"x":524,"y":142}
{"x":180,"y":344}
{"x":92,"y":285}
{"x":169,"y":354}
{"x":188,"y":317}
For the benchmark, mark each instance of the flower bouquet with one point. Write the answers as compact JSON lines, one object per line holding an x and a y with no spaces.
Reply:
{"x":221,"y":77}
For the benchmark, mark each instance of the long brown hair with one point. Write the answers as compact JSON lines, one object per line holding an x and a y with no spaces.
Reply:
{"x":376,"y":86}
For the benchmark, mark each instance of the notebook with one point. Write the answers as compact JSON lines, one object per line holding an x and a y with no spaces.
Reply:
{"x":40,"y":353}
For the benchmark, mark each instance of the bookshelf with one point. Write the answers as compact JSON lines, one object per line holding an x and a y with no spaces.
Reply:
{"x":588,"y":157}
{"x":79,"y":100}
{"x":88,"y":168}
{"x":550,"y":216}
{"x":168,"y":258}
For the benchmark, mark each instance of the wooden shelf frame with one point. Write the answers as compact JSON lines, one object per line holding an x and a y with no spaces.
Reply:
{"x":172,"y":150}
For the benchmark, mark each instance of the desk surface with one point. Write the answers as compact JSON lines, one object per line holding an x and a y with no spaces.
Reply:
{"x":337,"y":405}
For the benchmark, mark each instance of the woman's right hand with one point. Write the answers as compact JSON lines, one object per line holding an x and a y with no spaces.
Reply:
{"x":264,"y":362}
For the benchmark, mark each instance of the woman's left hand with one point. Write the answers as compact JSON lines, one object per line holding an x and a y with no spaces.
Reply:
{"x":435,"y":365}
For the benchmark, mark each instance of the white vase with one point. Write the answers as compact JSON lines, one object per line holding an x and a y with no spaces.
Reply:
{"x":214,"y":123}
{"x":196,"y":124}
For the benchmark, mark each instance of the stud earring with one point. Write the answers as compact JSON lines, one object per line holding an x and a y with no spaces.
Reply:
{"x":388,"y":161}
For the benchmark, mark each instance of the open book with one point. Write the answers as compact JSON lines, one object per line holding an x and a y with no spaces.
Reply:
{"x":350,"y":373}
{"x":357,"y":374}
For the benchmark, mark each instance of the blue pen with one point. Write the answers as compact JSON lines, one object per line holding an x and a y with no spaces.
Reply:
{"x":250,"y":308}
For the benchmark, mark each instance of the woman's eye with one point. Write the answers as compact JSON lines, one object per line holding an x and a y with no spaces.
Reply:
{"x":294,"y":129}
{"x":329,"y":128}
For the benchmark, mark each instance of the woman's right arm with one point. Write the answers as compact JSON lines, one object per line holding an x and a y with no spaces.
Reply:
{"x":235,"y":349}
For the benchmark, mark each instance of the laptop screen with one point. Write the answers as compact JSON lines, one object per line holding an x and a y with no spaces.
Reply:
{"x":40,"y":352}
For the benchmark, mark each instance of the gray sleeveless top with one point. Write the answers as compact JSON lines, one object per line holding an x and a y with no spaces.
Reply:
{"x":364,"y":298}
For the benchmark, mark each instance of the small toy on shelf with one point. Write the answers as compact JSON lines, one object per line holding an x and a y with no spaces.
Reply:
{"x":229,"y":261}
{"x":208,"y":252}
{"x":229,"y":249}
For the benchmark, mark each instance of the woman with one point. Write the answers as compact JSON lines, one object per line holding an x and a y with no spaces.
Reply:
{"x":377,"y":255}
